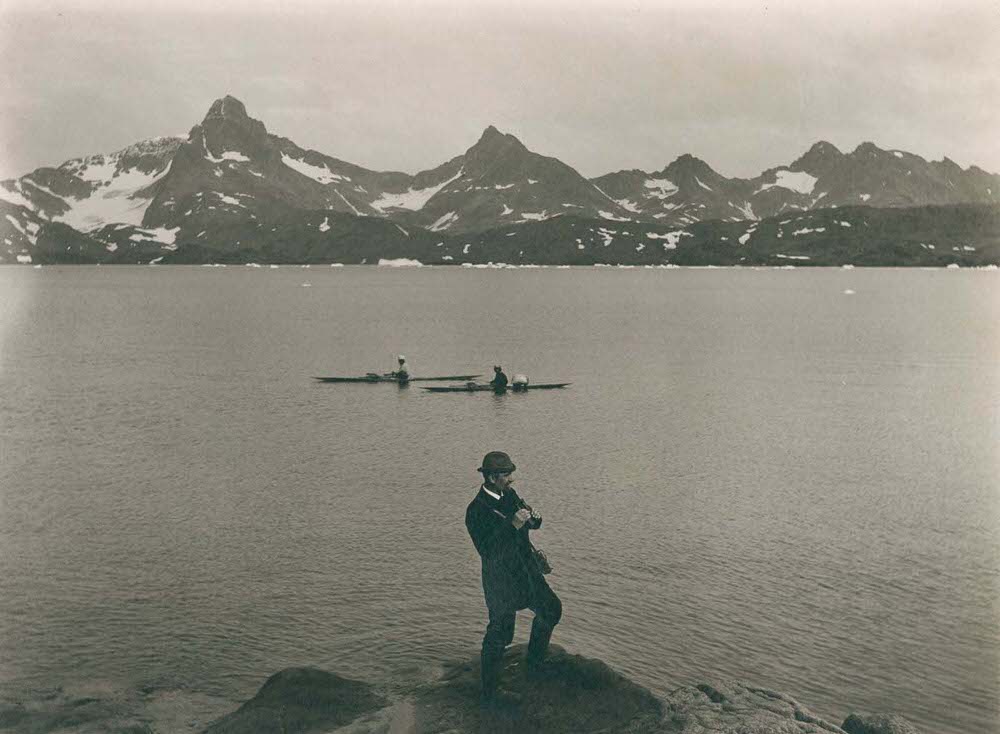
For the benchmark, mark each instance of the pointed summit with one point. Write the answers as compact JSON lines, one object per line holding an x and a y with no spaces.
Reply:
{"x":687,"y":165}
{"x":227,"y":121}
{"x":867,"y":148}
{"x":818,"y":158}
{"x":493,"y":142}
{"x":227,"y":108}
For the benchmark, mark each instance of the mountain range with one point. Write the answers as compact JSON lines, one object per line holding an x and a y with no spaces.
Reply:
{"x":232,"y":192}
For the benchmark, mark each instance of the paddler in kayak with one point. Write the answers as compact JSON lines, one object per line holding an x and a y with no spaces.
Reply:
{"x":403,"y":373}
{"x":499,"y":381}
{"x":498,"y":521}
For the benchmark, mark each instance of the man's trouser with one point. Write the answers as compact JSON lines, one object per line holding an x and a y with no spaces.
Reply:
{"x":500,"y":632}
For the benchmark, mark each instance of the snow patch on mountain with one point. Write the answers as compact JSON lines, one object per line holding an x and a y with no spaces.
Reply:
{"x":14,"y":197}
{"x":672,"y":238}
{"x":29,"y":234}
{"x":325,"y":226}
{"x":798,"y":181}
{"x":412,"y":199}
{"x":613,"y":217}
{"x":864,"y":197}
{"x":660,"y":188}
{"x":506,"y":210}
{"x":159,"y":234}
{"x":746,"y":210}
{"x":444,"y":221}
{"x":745,"y":237}
{"x":230,"y":199}
{"x":534,"y":216}
{"x":627,"y":205}
{"x":320,"y":174}
{"x":698,"y":181}
{"x":806,"y":230}
{"x":116,"y":200}
{"x":229,"y":155}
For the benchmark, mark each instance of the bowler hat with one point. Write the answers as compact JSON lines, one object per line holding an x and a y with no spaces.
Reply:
{"x":496,"y":461}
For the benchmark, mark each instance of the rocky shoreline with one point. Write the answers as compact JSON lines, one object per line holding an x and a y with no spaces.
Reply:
{"x":573,"y":694}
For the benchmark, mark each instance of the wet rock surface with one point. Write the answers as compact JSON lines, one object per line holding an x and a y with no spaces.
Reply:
{"x":878,"y":724}
{"x":300,"y":701}
{"x":737,"y":708}
{"x":572,"y":694}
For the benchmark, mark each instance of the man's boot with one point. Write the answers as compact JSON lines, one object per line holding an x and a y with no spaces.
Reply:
{"x":491,"y":663}
{"x":538,"y":643}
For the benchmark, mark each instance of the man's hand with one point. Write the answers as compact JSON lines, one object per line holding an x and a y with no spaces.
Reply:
{"x":520,"y":517}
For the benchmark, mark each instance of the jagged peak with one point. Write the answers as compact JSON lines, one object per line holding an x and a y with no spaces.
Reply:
{"x":867,"y":148}
{"x":492,"y":136}
{"x":228,"y":108}
{"x":687,"y":163}
{"x":822,"y":147}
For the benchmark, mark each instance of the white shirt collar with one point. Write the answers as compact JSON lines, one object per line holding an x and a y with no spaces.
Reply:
{"x":491,"y":494}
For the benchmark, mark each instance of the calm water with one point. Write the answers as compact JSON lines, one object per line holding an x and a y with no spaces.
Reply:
{"x":755,"y":475}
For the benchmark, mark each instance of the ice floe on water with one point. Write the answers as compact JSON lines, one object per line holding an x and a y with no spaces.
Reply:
{"x":399,"y":262}
{"x":793,"y":257}
{"x":848,"y":292}
{"x":320,"y":174}
{"x":952,"y":266}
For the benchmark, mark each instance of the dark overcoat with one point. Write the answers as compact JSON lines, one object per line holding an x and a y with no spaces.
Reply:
{"x":510,"y":575}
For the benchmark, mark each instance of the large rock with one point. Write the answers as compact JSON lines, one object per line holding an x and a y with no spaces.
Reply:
{"x":299,"y":701}
{"x":573,"y":694}
{"x":877,"y":724}
{"x":737,"y":708}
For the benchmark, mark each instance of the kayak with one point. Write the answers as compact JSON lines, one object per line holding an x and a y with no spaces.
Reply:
{"x":490,"y":388}
{"x":373,"y":377}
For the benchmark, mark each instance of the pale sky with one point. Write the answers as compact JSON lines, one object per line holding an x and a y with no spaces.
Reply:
{"x":601,"y":85}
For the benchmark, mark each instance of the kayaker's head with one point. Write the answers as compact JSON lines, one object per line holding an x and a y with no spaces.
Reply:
{"x":401,"y":359}
{"x":497,"y":368}
{"x":497,"y":469}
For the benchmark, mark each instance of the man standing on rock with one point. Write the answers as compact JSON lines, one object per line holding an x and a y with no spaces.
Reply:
{"x":498,"y":521}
